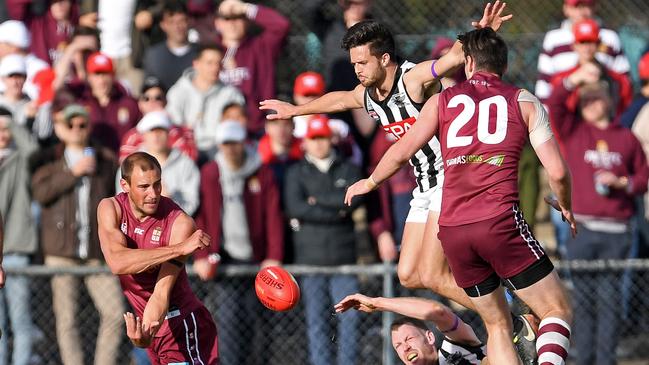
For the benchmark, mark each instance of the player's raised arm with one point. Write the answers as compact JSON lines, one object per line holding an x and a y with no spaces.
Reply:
{"x":425,"y":309}
{"x":333,"y":102}
{"x":124,"y":260}
{"x":428,"y":71}
{"x":401,"y":151}
{"x":547,"y":149}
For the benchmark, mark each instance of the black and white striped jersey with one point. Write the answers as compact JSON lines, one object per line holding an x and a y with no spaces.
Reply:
{"x":397,"y":113}
{"x":453,"y":353}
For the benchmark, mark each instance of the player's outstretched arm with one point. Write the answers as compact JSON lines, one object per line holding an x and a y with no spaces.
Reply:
{"x":424,"y":309}
{"x":333,"y":102}
{"x":124,"y":260}
{"x":425,"y":73}
{"x":401,"y":151}
{"x":547,"y":149}
{"x":158,"y":304}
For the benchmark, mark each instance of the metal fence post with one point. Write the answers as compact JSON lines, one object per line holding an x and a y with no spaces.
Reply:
{"x":388,"y":292}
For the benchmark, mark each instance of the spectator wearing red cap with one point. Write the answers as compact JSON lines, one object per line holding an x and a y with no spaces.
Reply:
{"x":586,"y":35}
{"x":249,"y":61}
{"x":71,"y":65}
{"x":112,"y":110}
{"x":558,"y":55}
{"x":323,"y":234}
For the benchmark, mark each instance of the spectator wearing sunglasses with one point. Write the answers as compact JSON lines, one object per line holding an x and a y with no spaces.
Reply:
{"x":73,"y":177}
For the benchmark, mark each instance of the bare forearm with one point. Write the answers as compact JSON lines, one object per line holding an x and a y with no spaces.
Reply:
{"x":561,"y":187}
{"x":333,"y":102}
{"x":451,"y":60}
{"x":419,"y":308}
{"x":124,"y":261}
{"x":388,"y":166}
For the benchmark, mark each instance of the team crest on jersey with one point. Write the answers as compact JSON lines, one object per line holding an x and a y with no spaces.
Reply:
{"x":124,"y":227}
{"x":399,"y":99}
{"x":398,"y":129}
{"x":155,"y":236}
{"x":138,"y":231}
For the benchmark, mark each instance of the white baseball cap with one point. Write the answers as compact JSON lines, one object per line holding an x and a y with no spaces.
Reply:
{"x":153,"y":120}
{"x":230,"y":131}
{"x":13,"y":64}
{"x":15,"y":33}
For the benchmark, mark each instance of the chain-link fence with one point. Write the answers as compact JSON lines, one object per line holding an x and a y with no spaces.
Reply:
{"x":609,"y":294}
{"x":417,"y":25}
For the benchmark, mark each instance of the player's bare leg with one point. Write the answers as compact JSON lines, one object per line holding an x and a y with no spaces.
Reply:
{"x":549,"y":301}
{"x":411,"y":247}
{"x":433,"y":267}
{"x":494,"y":311}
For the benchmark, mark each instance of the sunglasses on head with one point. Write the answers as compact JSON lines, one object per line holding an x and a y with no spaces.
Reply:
{"x":152,"y":98}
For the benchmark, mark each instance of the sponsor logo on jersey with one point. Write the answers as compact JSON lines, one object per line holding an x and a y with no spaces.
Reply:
{"x":374,"y":115}
{"x":124,"y":228}
{"x":155,"y":236}
{"x":496,"y":160}
{"x":398,"y":129}
{"x":138,"y":231}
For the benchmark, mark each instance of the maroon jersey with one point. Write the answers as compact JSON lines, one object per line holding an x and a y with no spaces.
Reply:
{"x":154,"y":232}
{"x":481,"y":132}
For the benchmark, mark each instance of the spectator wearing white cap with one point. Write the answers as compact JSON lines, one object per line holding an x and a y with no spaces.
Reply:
{"x":13,"y":73}
{"x":180,"y":176}
{"x":15,"y":39}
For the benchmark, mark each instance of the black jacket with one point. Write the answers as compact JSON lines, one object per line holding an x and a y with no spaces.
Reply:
{"x":323,"y":230}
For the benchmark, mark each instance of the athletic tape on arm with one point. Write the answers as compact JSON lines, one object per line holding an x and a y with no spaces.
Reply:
{"x":540,"y":131}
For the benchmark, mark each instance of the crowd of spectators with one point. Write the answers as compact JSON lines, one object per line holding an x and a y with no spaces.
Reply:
{"x":83,"y":83}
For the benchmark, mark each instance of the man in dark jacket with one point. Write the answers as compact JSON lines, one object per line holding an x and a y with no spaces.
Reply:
{"x":240,"y":209}
{"x":72,"y":178}
{"x":323,"y":234}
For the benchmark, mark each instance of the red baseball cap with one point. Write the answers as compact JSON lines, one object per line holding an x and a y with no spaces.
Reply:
{"x":586,"y":30}
{"x":643,"y":67}
{"x":309,"y":84}
{"x":318,"y":127}
{"x":579,"y":2}
{"x":99,"y":63}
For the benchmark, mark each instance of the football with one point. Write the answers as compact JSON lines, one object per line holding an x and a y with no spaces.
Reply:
{"x":277,"y":289}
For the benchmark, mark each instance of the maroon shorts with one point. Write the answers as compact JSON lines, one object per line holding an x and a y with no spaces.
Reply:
{"x":191,"y":340}
{"x":503,"y":244}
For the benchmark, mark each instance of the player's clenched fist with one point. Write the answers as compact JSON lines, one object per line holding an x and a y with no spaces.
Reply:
{"x":197,"y":241}
{"x":283,"y":110}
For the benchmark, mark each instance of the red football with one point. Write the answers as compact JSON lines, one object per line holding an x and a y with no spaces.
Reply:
{"x":277,"y":289}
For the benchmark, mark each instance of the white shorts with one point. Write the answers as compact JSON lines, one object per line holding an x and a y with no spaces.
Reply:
{"x":428,"y":201}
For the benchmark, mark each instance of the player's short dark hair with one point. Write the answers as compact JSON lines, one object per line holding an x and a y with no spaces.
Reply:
{"x":400,"y":321}
{"x":487,"y":48}
{"x":208,"y":47}
{"x":173,"y":7}
{"x":370,"y":32}
{"x":143,"y":160}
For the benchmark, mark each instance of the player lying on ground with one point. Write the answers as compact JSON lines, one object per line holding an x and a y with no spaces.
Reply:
{"x":412,"y":340}
{"x":145,"y":239}
{"x":483,"y":124}
{"x":393,"y":92}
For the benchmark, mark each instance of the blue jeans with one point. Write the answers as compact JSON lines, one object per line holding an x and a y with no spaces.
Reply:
{"x":320,"y":293}
{"x":597,"y":296}
{"x":14,"y":302}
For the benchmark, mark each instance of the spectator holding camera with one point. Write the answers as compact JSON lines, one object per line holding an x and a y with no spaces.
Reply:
{"x":72,"y":177}
{"x":609,"y":168}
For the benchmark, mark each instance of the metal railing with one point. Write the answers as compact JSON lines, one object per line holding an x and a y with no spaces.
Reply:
{"x":245,"y":327}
